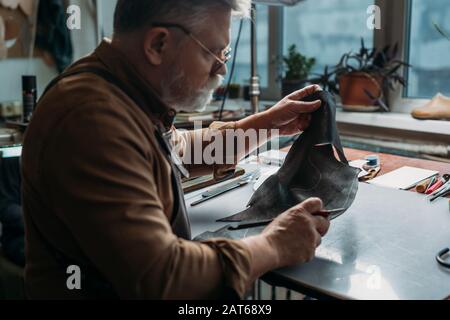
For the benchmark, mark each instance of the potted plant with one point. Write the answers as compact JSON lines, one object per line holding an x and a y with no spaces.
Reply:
{"x":297,"y":68}
{"x":327,"y":80}
{"x":362,"y":79}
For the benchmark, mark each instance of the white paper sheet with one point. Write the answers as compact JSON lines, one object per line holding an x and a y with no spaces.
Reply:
{"x":404,"y":178}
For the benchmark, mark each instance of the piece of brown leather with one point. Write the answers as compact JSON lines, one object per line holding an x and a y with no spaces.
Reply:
{"x":437,"y":109}
{"x":310,"y":170}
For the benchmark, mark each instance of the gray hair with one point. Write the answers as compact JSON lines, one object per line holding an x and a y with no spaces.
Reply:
{"x":131,"y":15}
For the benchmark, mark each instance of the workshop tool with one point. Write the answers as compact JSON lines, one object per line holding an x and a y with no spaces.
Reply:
{"x":440,"y":258}
{"x":432,"y":181}
{"x":438,"y":184}
{"x":422,"y":187}
{"x":242,"y":181}
{"x":371,"y":173}
{"x":329,"y":214}
{"x":372,"y":162}
{"x":441,"y":192}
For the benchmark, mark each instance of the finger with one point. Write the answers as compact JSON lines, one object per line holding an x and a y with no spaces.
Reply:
{"x":311,"y":205}
{"x":303,"y":124}
{"x":324,"y":214}
{"x":318,"y":240}
{"x":302,"y":93}
{"x":322,"y":225}
{"x":302,"y":107}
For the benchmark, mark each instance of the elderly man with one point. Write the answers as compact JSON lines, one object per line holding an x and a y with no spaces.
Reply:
{"x":102,"y":193}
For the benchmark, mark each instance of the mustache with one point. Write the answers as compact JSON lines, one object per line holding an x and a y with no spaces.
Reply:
{"x":214,"y":83}
{"x":178,"y":93}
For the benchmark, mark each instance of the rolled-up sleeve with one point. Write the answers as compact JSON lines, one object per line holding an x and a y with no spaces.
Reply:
{"x":103,"y":187}
{"x":203,"y":154}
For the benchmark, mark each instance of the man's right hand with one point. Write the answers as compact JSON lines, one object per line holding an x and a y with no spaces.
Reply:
{"x":295,"y":234}
{"x":292,"y":238}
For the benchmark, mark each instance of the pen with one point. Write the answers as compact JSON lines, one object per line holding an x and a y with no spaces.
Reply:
{"x":436,"y":186}
{"x":432,"y":181}
{"x":328,"y":213}
{"x":440,"y":189}
{"x":442,"y":192}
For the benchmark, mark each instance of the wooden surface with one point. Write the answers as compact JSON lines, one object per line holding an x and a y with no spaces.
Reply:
{"x":391,"y":162}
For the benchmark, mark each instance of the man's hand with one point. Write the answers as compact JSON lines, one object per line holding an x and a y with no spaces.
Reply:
{"x":292,"y":238}
{"x":296,"y":234}
{"x":290,"y":115}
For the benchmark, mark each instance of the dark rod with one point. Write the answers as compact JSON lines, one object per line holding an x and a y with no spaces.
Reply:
{"x":254,"y":81}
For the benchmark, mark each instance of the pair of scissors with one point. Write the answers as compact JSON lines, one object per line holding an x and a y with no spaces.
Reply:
{"x":371,"y":173}
{"x":440,"y":258}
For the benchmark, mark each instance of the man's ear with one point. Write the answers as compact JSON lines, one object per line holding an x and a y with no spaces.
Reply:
{"x":155,"y":44}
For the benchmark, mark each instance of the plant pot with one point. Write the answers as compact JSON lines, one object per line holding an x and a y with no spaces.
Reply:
{"x":289,"y":86}
{"x":352,"y":88}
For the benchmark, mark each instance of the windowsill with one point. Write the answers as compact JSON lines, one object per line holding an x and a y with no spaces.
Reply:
{"x":398,"y":121}
{"x":392,"y":120}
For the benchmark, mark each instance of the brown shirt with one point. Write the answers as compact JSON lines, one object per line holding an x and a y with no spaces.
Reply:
{"x":99,"y":189}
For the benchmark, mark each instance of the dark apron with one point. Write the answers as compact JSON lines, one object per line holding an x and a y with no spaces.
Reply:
{"x":96,"y":285}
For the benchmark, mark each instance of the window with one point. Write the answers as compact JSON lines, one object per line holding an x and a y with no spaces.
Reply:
{"x":429,"y":51}
{"x":242,"y":69}
{"x":326,"y":29}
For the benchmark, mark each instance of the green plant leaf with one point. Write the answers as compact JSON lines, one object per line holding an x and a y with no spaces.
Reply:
{"x":441,"y":31}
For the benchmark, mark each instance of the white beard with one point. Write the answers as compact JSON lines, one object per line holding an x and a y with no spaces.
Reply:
{"x":177,"y":94}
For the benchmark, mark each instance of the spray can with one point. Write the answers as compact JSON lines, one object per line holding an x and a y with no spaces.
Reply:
{"x":29,"y":97}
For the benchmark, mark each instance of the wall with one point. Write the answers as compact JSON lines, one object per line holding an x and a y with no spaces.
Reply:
{"x":84,"y":40}
{"x":11,"y":71}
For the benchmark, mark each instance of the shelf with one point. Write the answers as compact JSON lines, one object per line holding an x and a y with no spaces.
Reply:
{"x":398,"y":121}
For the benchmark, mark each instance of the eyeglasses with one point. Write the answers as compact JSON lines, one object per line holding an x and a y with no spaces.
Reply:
{"x":219,"y":63}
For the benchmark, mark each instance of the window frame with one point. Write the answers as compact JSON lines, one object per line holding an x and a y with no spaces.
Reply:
{"x":395,"y":22}
{"x":396,"y":18}
{"x":273,"y":91}
{"x":276,"y":45}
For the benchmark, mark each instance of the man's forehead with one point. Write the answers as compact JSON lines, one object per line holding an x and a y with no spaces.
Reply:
{"x":217,"y":29}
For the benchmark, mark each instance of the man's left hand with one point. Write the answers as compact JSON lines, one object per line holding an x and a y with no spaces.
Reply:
{"x":292,"y":116}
